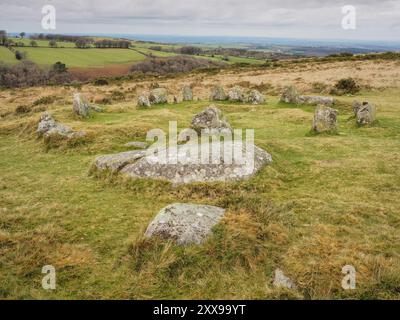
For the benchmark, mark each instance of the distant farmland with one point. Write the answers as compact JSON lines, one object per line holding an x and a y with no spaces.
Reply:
{"x":77,"y":57}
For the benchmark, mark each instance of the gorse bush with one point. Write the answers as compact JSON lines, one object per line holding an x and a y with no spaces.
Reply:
{"x":44,"y":100}
{"x":347,"y":86}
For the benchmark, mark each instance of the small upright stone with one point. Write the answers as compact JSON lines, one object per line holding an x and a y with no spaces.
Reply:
{"x":236,"y":94}
{"x":81,"y":106}
{"x":218,"y":94}
{"x":366,"y":114}
{"x":356,"y":106}
{"x":325,"y":120}
{"x":187,"y":93}
{"x":281,"y":281}
{"x":290,"y":95}
{"x":46,"y":123}
{"x":255,"y":97}
{"x":158,"y":96}
{"x":143,"y":101}
{"x":211,"y":118}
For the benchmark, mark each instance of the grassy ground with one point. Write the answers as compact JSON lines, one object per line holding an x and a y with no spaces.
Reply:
{"x":7,"y":57}
{"x":325,"y":202}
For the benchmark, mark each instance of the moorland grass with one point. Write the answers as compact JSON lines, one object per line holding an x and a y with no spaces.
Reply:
{"x":325,"y":202}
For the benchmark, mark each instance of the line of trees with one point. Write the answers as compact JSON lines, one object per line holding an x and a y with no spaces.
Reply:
{"x":58,"y":37}
{"x":108,"y":43}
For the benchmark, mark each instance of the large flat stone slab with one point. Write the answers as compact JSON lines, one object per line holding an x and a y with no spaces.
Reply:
{"x":182,"y":173}
{"x":189,"y":166}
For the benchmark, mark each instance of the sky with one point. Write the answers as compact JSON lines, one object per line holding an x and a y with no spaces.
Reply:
{"x":305,"y":19}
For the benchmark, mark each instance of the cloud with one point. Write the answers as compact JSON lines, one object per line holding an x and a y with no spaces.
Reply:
{"x":377,"y":19}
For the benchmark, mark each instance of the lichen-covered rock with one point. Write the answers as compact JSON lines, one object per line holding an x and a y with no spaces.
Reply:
{"x":185,"y":171}
{"x":187,"y":93}
{"x":218,"y":94}
{"x":316,"y":100}
{"x":46,"y":123}
{"x":290,"y":95}
{"x":236,"y":95}
{"x":143,"y":101}
{"x":158,"y":96}
{"x":185,"y":224}
{"x":49,"y":128}
{"x":144,"y":164}
{"x":366,"y":114}
{"x":211,"y":118}
{"x":136,"y":144}
{"x":325,"y":120}
{"x":115,"y":162}
{"x":81,"y":107}
{"x":255,"y":97}
{"x":281,"y":281}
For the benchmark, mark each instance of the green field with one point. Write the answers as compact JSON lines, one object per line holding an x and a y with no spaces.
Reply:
{"x":92,"y":57}
{"x":154,"y":53}
{"x":6,"y":56}
{"x":73,"y":57}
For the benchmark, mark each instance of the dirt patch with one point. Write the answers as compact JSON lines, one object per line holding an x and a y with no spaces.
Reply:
{"x":85,"y":74}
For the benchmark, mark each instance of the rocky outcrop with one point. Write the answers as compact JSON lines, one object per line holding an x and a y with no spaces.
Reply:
{"x":185,"y":224}
{"x":48,"y":127}
{"x":188,"y":168}
{"x":158,"y":96}
{"x":187,"y":93}
{"x":325,"y":120}
{"x":255,"y":97}
{"x":365,"y":113}
{"x":236,"y":95}
{"x":143,"y":101}
{"x":211,"y":118}
{"x":218,"y":94}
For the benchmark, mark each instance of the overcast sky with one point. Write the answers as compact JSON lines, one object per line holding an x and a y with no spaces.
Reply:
{"x":319,"y":19}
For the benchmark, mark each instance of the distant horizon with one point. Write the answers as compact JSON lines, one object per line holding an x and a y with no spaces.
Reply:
{"x":227,"y":39}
